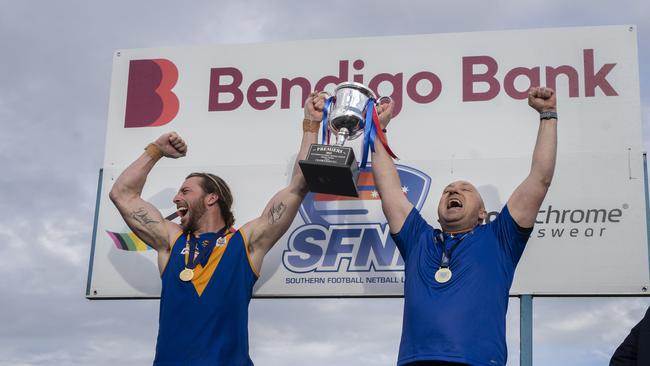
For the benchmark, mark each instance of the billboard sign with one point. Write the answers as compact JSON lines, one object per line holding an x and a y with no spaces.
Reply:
{"x":461,"y":113}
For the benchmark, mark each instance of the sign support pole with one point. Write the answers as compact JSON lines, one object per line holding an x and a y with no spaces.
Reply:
{"x":647,"y":206}
{"x":526,"y":330}
{"x":92,"y":247}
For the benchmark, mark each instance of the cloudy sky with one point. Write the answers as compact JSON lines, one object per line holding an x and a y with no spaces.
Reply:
{"x":55,"y":71}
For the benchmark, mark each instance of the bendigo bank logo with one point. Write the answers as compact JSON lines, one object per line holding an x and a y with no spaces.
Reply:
{"x":150,"y":101}
{"x":350,"y":231}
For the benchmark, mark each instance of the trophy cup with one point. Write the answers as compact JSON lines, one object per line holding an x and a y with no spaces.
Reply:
{"x":350,"y":113}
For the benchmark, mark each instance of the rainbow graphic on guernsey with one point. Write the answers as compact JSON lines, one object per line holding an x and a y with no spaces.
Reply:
{"x":129,"y":241}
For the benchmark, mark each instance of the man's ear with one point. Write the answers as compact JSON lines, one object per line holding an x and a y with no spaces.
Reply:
{"x":482,"y":215}
{"x":212,"y":199}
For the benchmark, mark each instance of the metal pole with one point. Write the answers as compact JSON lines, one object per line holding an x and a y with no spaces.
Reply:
{"x":526,"y":330}
{"x":92,"y":247}
{"x":647,"y":207}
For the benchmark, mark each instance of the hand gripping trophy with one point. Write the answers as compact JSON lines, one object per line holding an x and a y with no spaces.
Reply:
{"x":348,"y":114}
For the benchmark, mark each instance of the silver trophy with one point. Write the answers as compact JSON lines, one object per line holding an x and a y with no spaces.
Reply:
{"x":347,"y":116}
{"x":333,"y":169}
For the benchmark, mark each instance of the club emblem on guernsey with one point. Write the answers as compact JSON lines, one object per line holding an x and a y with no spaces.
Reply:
{"x":351,"y":228}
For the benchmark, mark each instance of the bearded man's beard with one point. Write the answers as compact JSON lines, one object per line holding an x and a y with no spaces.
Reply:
{"x":196,"y":212}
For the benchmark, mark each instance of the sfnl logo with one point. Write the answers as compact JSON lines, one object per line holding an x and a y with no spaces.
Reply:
{"x":350,"y":233}
{"x":150,"y":101}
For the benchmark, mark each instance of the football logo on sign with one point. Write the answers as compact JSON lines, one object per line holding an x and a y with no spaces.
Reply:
{"x":350,"y":233}
{"x":325,"y":209}
{"x":150,"y":101}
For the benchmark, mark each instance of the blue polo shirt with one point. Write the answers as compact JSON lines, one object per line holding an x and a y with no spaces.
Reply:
{"x":463,"y":320}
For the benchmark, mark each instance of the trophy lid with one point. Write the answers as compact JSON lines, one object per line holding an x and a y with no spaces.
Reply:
{"x":354,"y":85}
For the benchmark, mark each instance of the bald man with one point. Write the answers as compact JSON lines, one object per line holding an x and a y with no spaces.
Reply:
{"x":458,"y":277}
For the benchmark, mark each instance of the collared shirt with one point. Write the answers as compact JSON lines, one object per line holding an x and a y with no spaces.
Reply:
{"x":462,"y":320}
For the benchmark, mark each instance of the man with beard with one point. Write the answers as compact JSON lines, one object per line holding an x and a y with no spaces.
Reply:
{"x":458,"y":277}
{"x":207,"y":268}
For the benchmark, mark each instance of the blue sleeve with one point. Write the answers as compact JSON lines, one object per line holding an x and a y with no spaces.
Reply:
{"x":512,"y":237}
{"x":408,"y":237}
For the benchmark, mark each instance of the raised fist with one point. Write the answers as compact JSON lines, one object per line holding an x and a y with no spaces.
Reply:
{"x":314,"y":105}
{"x":542,"y":99}
{"x":171,"y":145}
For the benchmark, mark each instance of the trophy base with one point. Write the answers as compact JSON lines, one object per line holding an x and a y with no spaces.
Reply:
{"x":331,"y":170}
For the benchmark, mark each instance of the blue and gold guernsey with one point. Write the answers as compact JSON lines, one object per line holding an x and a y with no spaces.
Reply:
{"x":205,"y":321}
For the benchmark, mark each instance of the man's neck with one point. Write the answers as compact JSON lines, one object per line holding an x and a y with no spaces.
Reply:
{"x":209,"y":225}
{"x":456,"y":231}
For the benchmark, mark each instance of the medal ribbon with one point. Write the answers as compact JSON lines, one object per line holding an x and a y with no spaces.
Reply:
{"x":204,"y":254}
{"x":326,"y":108}
{"x":369,"y":133}
{"x":446,"y":254}
{"x":373,"y":130}
{"x":380,"y":134}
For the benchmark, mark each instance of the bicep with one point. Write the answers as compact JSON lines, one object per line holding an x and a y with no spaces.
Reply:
{"x":396,"y":209}
{"x":274,"y":221}
{"x":525,"y":201}
{"x":145,"y":221}
{"x":394,"y":203}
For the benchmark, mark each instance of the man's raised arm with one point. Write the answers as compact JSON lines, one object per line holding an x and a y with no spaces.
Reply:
{"x":528,"y":197}
{"x":264,"y":231}
{"x":394,"y":203}
{"x":142,"y":217}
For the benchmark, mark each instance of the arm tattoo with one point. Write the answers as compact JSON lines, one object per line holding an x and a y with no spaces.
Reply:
{"x":276,"y":212}
{"x":141,"y":215}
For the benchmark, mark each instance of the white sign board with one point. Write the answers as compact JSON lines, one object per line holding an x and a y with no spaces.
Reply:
{"x":461,"y":113}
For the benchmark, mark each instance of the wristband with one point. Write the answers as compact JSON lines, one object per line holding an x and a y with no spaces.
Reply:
{"x":310,"y":126}
{"x":153,"y":151}
{"x":548,"y":115}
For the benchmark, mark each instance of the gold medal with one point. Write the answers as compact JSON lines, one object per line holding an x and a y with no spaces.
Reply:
{"x":443,"y":275}
{"x":186,"y":275}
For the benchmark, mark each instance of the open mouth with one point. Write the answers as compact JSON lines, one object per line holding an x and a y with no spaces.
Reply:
{"x":454,"y":203}
{"x":182,"y":211}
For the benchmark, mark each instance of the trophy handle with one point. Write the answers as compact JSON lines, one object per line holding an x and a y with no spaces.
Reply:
{"x":382,"y":99}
